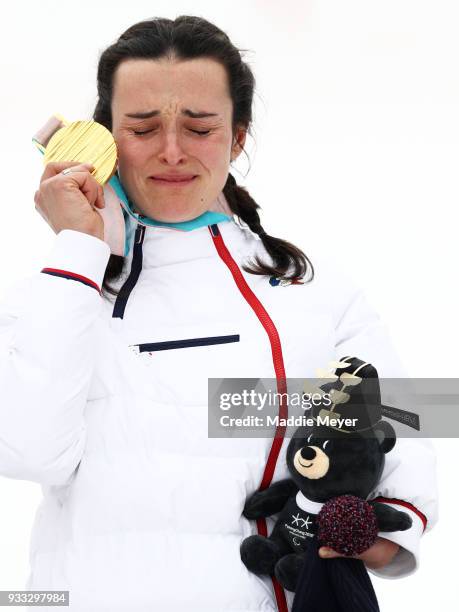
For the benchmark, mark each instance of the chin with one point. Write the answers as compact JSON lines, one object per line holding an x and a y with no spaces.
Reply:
{"x":174,"y":217}
{"x":169,"y":210}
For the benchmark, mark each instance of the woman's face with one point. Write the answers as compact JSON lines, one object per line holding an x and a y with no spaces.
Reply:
{"x":165,"y":99}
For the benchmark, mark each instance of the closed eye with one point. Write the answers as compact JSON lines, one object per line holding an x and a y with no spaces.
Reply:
{"x":141,"y":133}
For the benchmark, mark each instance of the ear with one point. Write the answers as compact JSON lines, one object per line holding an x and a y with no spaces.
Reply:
{"x":385,"y":434}
{"x":238,"y":142}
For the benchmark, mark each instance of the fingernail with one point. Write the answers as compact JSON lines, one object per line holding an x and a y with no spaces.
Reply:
{"x":325,"y":553}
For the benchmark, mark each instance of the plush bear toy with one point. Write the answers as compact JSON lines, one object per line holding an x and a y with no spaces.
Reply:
{"x":333,"y":468}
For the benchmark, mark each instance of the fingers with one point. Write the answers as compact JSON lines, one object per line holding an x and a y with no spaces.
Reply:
{"x":54,"y":168}
{"x":328,"y":553}
{"x":89,"y":187}
{"x":100,"y":202}
{"x":70,"y":200}
{"x":378,"y":555}
{"x":80,"y":177}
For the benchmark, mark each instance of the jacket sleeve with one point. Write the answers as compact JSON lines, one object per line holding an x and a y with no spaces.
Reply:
{"x":408,"y":482}
{"x":47,"y":360}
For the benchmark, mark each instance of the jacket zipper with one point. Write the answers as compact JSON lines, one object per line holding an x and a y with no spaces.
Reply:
{"x":188,"y":342}
{"x":278,"y":362}
{"x":136,"y":268}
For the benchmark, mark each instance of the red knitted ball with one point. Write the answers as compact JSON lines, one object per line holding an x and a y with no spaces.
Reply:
{"x":347,"y":524}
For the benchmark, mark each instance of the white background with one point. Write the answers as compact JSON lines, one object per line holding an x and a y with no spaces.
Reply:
{"x":356,"y":153}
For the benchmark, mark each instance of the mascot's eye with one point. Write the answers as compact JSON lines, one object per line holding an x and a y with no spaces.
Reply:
{"x":309,"y":439}
{"x":324,"y":445}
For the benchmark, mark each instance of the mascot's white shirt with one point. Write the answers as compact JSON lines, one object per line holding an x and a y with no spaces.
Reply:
{"x":141,"y":509}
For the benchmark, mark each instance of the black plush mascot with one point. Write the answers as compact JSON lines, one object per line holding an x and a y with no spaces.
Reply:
{"x":334,"y":466}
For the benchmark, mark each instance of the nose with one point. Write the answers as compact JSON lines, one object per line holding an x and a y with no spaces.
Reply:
{"x":308,"y":453}
{"x":171,"y":151}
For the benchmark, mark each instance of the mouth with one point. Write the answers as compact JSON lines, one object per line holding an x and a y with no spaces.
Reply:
{"x":171,"y":182}
{"x":304,"y":464}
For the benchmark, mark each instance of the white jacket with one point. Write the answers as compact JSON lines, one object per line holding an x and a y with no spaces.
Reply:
{"x":141,"y":509}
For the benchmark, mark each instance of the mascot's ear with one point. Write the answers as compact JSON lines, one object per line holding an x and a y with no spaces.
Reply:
{"x":385,"y":434}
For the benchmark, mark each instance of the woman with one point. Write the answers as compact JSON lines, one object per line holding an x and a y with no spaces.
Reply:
{"x":141,"y":509}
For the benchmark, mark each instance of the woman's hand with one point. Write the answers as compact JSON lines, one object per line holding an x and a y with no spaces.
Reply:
{"x":380,"y":554}
{"x":70,"y":201}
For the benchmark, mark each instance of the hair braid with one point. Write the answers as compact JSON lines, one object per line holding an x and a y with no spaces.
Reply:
{"x":289,"y":262}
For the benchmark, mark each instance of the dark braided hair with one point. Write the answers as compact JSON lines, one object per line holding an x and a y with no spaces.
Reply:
{"x":283,"y":253}
{"x":189,"y":37}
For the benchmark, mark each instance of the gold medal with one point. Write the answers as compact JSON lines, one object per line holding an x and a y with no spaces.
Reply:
{"x":89,"y":142}
{"x":84,"y":142}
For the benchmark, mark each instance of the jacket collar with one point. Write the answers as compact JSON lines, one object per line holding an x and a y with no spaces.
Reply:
{"x":168,"y":245}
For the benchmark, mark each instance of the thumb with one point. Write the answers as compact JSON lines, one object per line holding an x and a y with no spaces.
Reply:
{"x":100,"y":201}
{"x":328,"y":553}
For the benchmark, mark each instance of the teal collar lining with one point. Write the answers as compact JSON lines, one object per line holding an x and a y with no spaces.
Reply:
{"x":207,"y":218}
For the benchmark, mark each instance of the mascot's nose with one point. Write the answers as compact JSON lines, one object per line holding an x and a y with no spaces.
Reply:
{"x":308,"y":453}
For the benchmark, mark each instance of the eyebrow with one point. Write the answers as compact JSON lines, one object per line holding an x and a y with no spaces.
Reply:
{"x":187,"y":112}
